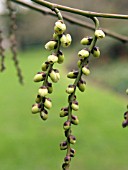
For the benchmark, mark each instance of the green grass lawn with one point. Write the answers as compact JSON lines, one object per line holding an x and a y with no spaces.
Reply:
{"x":28,"y":143}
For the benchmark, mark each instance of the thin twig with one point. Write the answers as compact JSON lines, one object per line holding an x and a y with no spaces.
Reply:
{"x":13,"y":41}
{"x":2,"y":66}
{"x":78,"y":11}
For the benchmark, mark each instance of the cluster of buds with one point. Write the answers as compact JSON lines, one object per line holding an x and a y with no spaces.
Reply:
{"x":99,"y":34}
{"x":125,"y":122}
{"x":80,"y":84}
{"x":48,"y":74}
{"x":2,"y":66}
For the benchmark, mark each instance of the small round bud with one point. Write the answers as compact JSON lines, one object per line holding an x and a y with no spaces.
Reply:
{"x":127,"y":91}
{"x":64,"y":112}
{"x":75,"y":105}
{"x":69,"y":39}
{"x":60,"y":27}
{"x":38,"y":99}
{"x":44,"y":114}
{"x":67,"y":159}
{"x":43,"y":91}
{"x":126,"y":115}
{"x":52,"y":58}
{"x":63,"y":145}
{"x":51,"y":45}
{"x":40,"y":76}
{"x":54,"y":75}
{"x":70,"y":89}
{"x":35,"y":108}
{"x":81,"y":85}
{"x":86,"y":41}
{"x":96,"y":52}
{"x":85,"y":70}
{"x":72,"y":152}
{"x":99,"y":34}
{"x":72,"y":74}
{"x":60,"y":57}
{"x":65,"y":40}
{"x":74,"y":120}
{"x":48,"y":103}
{"x":49,"y":87}
{"x":44,"y":66}
{"x":83,"y":53}
{"x":65,"y":165}
{"x":66,"y":125}
{"x":72,"y":139}
{"x":125,"y":123}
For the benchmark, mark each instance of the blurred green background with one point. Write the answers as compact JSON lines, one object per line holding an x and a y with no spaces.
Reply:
{"x":27,"y":142}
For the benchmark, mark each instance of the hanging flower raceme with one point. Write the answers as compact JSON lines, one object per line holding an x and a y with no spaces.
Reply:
{"x":50,"y":75}
{"x":80,"y":84}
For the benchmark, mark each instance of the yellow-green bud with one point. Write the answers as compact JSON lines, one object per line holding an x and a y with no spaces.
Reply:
{"x":83,"y":53}
{"x":66,"y":125}
{"x":60,"y":57}
{"x":85,"y":70}
{"x":39,"y":77}
{"x":64,"y":112}
{"x":74,"y":120}
{"x":65,"y":40}
{"x":54,"y":75}
{"x":75,"y":105}
{"x":99,"y":34}
{"x":48,"y":103}
{"x":69,"y":39}
{"x":127,"y":91}
{"x":96,"y":52}
{"x":43,"y":91}
{"x":52,"y":58}
{"x":86,"y":41}
{"x":44,"y":114}
{"x":72,"y":139}
{"x":81,"y":85}
{"x":59,"y":27}
{"x":63,"y":145}
{"x":44,"y":66}
{"x":51,"y":45}
{"x":72,"y":74}
{"x":38,"y":99}
{"x":35,"y":108}
{"x":70,"y":89}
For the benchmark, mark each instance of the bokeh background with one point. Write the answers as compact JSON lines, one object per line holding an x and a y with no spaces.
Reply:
{"x":27,"y":142}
